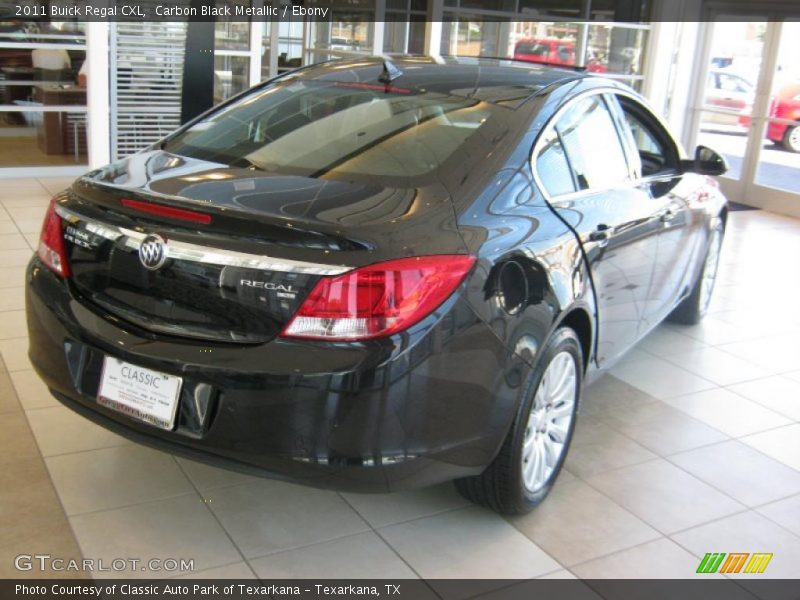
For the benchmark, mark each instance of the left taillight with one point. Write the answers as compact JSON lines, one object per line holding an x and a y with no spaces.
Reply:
{"x":378,"y":300}
{"x":52,"y":251}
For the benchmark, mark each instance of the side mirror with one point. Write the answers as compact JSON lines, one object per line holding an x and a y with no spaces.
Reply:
{"x":706,"y":162}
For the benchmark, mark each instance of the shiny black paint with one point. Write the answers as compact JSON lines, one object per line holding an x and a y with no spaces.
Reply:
{"x":436,"y":401}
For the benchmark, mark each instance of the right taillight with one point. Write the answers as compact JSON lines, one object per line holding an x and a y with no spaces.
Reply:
{"x":52,"y":251}
{"x":378,"y":300}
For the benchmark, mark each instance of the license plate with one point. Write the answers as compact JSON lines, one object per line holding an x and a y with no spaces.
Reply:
{"x":140,"y":393}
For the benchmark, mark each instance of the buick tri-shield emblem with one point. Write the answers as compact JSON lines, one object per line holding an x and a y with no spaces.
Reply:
{"x":153,"y":252}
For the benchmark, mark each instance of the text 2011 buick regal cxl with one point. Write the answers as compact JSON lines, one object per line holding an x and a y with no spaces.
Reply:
{"x":376,"y":275}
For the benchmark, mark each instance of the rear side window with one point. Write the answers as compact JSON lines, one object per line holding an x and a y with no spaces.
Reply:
{"x":553,"y":167}
{"x":592,"y":145}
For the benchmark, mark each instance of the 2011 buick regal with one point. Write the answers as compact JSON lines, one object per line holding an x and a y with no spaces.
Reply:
{"x":376,"y":275}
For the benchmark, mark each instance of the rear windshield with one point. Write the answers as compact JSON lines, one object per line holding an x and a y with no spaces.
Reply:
{"x":313,"y":128}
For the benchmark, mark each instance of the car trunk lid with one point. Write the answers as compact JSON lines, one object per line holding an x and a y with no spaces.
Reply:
{"x":241,"y":249}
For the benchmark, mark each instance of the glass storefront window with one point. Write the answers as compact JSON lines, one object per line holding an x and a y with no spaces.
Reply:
{"x":231,"y":35}
{"x":231,"y":62}
{"x":41,"y":73}
{"x":472,"y":36}
{"x":404,"y":30}
{"x":543,"y":42}
{"x":615,"y":49}
{"x":61,"y":32}
{"x":503,"y":5}
{"x":266,"y":45}
{"x":405,"y":36}
{"x":564,"y":9}
{"x":290,"y":45}
{"x":231,"y":76}
{"x":349,"y":32}
{"x":32,"y":137}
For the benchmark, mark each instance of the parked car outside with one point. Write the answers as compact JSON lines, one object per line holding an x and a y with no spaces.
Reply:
{"x":553,"y":51}
{"x":730,"y":92}
{"x":786,"y":105}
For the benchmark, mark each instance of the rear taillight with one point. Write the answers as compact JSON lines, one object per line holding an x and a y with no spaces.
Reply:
{"x":378,"y":300}
{"x":52,"y":251}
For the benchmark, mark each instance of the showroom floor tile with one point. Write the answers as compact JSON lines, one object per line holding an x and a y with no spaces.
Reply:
{"x":785,"y":513}
{"x":149,"y":475}
{"x":238,"y":570}
{"x":380,"y":510}
{"x":434,"y":547}
{"x":741,"y":472}
{"x":727,"y":412}
{"x":205,"y":477}
{"x":692,"y":443}
{"x":596,"y":448}
{"x":59,"y":430}
{"x":664,"y":496}
{"x":646,"y":561}
{"x":178,"y":528}
{"x":660,"y":378}
{"x":32,"y":519}
{"x":268,"y":516}
{"x":779,"y":393}
{"x":31,"y":391}
{"x":718,"y":366}
{"x":782,"y":444}
{"x":748,"y":530}
{"x":662,"y":429}
{"x":582,"y":524}
{"x":344,"y":558}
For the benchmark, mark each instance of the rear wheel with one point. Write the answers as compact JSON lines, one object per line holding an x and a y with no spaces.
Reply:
{"x":533,"y":453}
{"x":791,"y":139}
{"x":695,"y":306}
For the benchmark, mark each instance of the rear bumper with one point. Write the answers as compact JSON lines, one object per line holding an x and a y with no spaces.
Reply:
{"x":413,"y":410}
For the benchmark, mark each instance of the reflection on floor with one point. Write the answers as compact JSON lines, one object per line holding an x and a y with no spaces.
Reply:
{"x":691,"y":445}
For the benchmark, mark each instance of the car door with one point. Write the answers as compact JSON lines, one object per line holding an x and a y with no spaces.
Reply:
{"x":657,"y":171}
{"x":581,"y":166}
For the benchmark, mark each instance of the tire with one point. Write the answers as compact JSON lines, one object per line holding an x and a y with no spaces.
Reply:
{"x":546,"y":413}
{"x":694,"y":307}
{"x":791,"y":139}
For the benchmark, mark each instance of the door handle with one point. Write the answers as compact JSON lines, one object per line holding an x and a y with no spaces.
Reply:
{"x":601,"y":235}
{"x":668,"y":215}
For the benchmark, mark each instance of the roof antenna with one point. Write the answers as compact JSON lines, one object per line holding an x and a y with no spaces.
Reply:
{"x":389,"y":73}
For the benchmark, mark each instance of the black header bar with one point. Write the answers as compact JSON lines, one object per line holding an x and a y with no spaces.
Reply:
{"x":619,"y":11}
{"x":745,"y":588}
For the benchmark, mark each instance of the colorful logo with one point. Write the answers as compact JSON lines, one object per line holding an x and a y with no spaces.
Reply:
{"x":735,"y":562}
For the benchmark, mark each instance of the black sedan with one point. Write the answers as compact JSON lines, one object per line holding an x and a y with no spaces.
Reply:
{"x":375,"y":275}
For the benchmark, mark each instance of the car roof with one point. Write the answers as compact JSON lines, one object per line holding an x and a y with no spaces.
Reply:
{"x":500,"y":81}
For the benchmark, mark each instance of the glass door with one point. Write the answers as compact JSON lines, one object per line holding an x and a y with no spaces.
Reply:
{"x":724,"y":113}
{"x":748,"y":108}
{"x":777,"y":172}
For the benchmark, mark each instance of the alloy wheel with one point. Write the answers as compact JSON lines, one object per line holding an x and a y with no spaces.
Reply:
{"x":710,"y":270}
{"x":794,"y":139}
{"x":549,"y":421}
